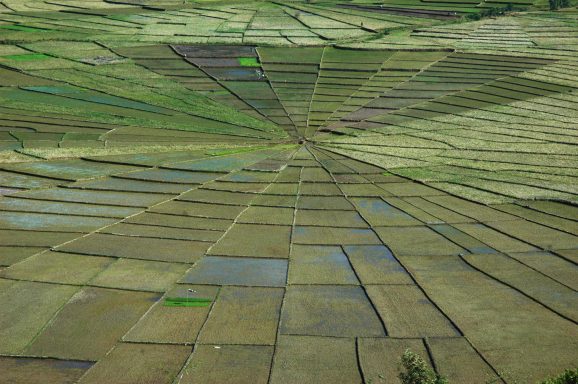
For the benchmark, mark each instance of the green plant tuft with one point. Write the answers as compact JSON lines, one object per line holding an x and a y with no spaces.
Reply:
{"x":417,"y":371}
{"x":570,"y":376}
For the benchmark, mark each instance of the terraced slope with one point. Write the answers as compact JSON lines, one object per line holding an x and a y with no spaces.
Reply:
{"x":285,"y":192}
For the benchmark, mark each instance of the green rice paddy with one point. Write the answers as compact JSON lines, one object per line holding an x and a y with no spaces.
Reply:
{"x":287,"y":192}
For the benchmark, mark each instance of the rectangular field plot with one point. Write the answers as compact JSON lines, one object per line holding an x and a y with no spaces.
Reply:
{"x":375,"y":264}
{"x":229,"y":364}
{"x":67,"y":337}
{"x":254,"y":241}
{"x":329,"y":310}
{"x":31,"y":305}
{"x":407,"y":312}
{"x":330,"y":236}
{"x":417,"y":241}
{"x":127,"y":229}
{"x":173,"y":325}
{"x":215,"y":270}
{"x":244,"y":315}
{"x":320,"y":265}
{"x":309,"y":360}
{"x":139,"y":363}
{"x":41,"y":370}
{"x":58,"y":267}
{"x":138,"y":248}
{"x":379,"y":358}
{"x":140,"y":275}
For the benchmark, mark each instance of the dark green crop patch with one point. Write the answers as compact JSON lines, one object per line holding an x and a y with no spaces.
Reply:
{"x":22,"y":28}
{"x":187,"y":302}
{"x":249,"y":62}
{"x":27,"y":57}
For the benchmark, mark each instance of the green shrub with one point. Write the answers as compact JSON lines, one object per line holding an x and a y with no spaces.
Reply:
{"x":417,"y":371}
{"x":500,"y":11}
{"x":570,"y":376}
{"x":557,"y":4}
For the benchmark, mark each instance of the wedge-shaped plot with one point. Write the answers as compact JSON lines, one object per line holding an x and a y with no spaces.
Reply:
{"x":283,"y":189}
{"x":551,"y":265}
{"x":28,"y":307}
{"x":315,"y":174}
{"x":101,"y":244}
{"x":378,"y":212}
{"x":152,"y":159}
{"x":139,"y":363}
{"x":17,"y":180}
{"x":275,"y":200}
{"x":543,"y":218}
{"x":412,"y":210}
{"x":536,"y":234}
{"x":313,"y":360}
{"x":438,"y":211}
{"x":70,"y":169}
{"x":319,"y":189}
{"x":229,"y":364}
{"x":127,"y":229}
{"x":359,"y":190}
{"x":320,"y":265}
{"x":328,"y":235}
{"x":216,"y":270}
{"x":473,"y":245}
{"x":459,"y":362}
{"x":217,"y":197}
{"x":254,"y":241}
{"x":172,"y":176}
{"x":127,"y":199}
{"x":13,"y":255}
{"x":330,"y":310}
{"x":42,"y":206}
{"x":40,"y":239}
{"x":379,"y":358}
{"x":553,"y":208}
{"x":375,"y":264}
{"x":236,"y":187}
{"x":289,"y":175}
{"x":176,"y":221}
{"x":50,"y":222}
{"x":127,"y":185}
{"x":550,"y":293}
{"x":222,"y":163}
{"x":410,"y":189}
{"x":329,"y":218}
{"x":58,"y":267}
{"x":91,"y":323}
{"x":469,"y":209}
{"x":417,"y":241}
{"x":39,"y":370}
{"x":267,"y":215}
{"x":244,"y":315}
{"x":407,"y":312}
{"x":324,"y":202}
{"x":250,"y":177}
{"x":174,"y":325}
{"x":140,"y":275}
{"x":569,"y":254}
{"x":495,"y":239}
{"x":185,"y":208}
{"x":503,"y":324}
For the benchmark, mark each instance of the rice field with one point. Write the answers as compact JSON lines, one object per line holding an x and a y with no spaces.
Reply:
{"x":286,"y":192}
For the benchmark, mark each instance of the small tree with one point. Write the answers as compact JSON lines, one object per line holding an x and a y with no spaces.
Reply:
{"x":417,"y":371}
